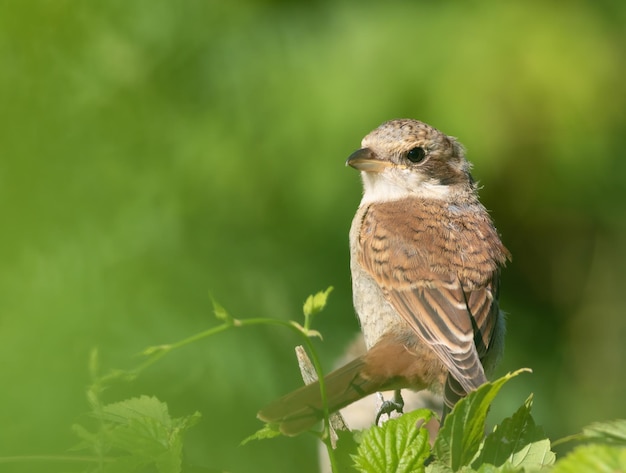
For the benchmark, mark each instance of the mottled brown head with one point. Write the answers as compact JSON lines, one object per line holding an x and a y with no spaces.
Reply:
{"x":406,"y":157}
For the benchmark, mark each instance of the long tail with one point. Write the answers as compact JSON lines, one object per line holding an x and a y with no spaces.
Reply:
{"x":299,"y":410}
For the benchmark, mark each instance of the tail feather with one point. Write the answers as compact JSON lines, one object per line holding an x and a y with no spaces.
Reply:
{"x":299,"y":410}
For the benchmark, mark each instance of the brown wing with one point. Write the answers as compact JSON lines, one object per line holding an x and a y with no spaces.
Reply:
{"x":438,"y":269}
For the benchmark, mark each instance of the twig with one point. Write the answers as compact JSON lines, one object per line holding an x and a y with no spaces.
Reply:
{"x":309,"y":376}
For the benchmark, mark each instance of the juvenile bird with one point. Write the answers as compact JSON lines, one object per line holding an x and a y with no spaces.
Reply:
{"x":425,"y":259}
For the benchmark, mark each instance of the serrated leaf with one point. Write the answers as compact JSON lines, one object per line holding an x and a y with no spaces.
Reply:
{"x":268,"y":431}
{"x":398,"y":446}
{"x":136,"y":433}
{"x":143,"y":437}
{"x":611,"y":432}
{"x":135,"y":408}
{"x":593,"y":459}
{"x":460,"y":437}
{"x":316,"y":303}
{"x":517,"y":441}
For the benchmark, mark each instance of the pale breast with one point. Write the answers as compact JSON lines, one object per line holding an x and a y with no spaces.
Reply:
{"x":376,"y":315}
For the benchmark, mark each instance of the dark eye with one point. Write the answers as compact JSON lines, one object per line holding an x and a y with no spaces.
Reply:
{"x":416,"y":154}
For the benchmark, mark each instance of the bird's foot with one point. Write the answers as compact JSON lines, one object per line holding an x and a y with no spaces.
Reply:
{"x":390,"y":406}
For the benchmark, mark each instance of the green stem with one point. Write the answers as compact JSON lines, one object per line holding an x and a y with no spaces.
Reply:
{"x":314,"y":359}
{"x":156,"y":353}
{"x":318,"y":370}
{"x":569,"y":438}
{"x":160,"y":352}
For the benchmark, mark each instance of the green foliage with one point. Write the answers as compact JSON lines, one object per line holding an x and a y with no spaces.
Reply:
{"x":268,"y":431}
{"x":134,"y":434}
{"x":313,"y":305}
{"x":316,"y":303}
{"x":604,"y":451}
{"x":613,"y":432}
{"x":399,"y":445}
{"x":138,"y":434}
{"x":462,"y":433}
{"x":517,"y":442}
{"x":347,"y":448}
{"x":593,"y":459}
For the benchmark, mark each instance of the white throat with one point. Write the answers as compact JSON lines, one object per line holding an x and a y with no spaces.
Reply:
{"x":387,"y":186}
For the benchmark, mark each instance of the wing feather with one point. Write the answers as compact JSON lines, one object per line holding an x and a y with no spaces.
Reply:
{"x":439,"y":270}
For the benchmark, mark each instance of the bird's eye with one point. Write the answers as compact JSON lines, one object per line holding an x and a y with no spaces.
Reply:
{"x":416,"y":154}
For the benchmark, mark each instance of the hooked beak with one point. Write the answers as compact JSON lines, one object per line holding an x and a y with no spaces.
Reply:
{"x":365,"y":159}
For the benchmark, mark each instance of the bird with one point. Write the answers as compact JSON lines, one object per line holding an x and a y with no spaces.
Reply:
{"x":425,"y":261}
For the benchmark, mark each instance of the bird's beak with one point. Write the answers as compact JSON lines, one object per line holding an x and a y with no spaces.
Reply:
{"x":365,"y":159}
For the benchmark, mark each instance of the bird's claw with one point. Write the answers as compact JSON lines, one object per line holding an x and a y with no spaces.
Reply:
{"x":390,"y":406}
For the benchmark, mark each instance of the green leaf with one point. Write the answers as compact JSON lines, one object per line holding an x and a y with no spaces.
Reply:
{"x":136,"y":408}
{"x":315,"y":304}
{"x":89,"y":441}
{"x":460,"y":437}
{"x":593,"y":459}
{"x":437,"y":467}
{"x":136,"y":433}
{"x":220,"y":313}
{"x":398,"y":446}
{"x":267,"y":432}
{"x":518,"y":442}
{"x":610,"y":432}
{"x":487,"y":468}
{"x":348,"y":442}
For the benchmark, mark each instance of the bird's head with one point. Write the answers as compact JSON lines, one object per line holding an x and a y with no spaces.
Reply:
{"x":408,"y":158}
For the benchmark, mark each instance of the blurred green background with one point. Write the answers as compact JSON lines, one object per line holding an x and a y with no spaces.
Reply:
{"x":153,"y":153}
